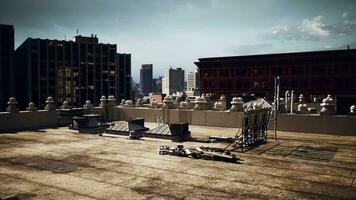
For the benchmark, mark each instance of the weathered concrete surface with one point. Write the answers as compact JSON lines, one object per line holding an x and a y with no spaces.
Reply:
{"x":57,"y":164}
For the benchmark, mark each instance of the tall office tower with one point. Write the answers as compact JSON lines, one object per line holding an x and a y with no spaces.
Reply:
{"x":75,"y":71}
{"x":173,"y":81}
{"x":146,"y":79}
{"x":134,"y":89}
{"x":192,"y":84}
{"x":6,"y":64}
{"x":157,"y":85}
{"x":124,"y":76}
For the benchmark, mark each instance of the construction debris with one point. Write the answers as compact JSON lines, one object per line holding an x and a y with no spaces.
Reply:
{"x":11,"y":197}
{"x":206,"y":153}
{"x":220,"y":138}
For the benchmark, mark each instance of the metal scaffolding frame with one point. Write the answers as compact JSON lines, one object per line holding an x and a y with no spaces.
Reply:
{"x":255,"y":121}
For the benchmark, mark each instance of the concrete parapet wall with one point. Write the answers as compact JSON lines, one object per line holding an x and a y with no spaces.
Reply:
{"x":129,"y":113}
{"x":203,"y":118}
{"x":217,"y":118}
{"x":26,"y":120}
{"x":328,"y":124}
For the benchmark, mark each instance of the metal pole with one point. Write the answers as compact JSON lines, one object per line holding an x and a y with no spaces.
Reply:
{"x":278,"y":82}
{"x":286,"y":96}
{"x":274,"y":116}
{"x":291,"y":101}
{"x":277,"y":92}
{"x":276,"y":96}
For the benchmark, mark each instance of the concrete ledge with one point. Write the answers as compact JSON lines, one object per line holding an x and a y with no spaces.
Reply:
{"x":197,"y":117}
{"x":27,"y":120}
{"x":307,"y":123}
{"x":329,"y":124}
{"x":129,"y":113}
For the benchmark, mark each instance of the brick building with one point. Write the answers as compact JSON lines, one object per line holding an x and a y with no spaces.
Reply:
{"x":313,"y":74}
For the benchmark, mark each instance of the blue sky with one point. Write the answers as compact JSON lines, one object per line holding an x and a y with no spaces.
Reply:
{"x":178,"y":32}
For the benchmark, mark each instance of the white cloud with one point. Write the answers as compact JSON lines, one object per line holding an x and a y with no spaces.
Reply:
{"x":344,"y":15}
{"x":313,"y":28}
{"x":308,"y":29}
{"x":279,"y":29}
{"x":327,"y":46}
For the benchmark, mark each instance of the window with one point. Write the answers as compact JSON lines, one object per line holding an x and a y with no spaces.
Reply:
{"x":343,"y":69}
{"x":303,"y":84}
{"x":238,"y":85}
{"x":229,"y":85}
{"x":277,"y":71}
{"x":224,"y":72}
{"x":240,"y":72}
{"x":222,"y":84}
{"x":298,"y":71}
{"x":256,"y":84}
{"x":318,"y":70}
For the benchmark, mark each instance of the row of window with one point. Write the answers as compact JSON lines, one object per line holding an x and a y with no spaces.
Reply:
{"x":318,"y":70}
{"x":321,"y":84}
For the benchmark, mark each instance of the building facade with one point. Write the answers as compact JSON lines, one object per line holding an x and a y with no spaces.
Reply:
{"x":75,"y":71}
{"x":146,"y":81}
{"x":6,"y":64}
{"x":313,"y":74}
{"x":173,"y":81}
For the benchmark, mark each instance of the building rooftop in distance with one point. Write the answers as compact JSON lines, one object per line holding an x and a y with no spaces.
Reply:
{"x":64,"y":165}
{"x":279,"y":55}
{"x":86,"y":40}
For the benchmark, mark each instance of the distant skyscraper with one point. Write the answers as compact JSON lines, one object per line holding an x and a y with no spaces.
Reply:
{"x":157,"y":85}
{"x":124,"y":76}
{"x":74,"y":71}
{"x":6,"y":64}
{"x":146,"y":81}
{"x":173,"y":81}
{"x":192,"y":83}
{"x":134,"y":89}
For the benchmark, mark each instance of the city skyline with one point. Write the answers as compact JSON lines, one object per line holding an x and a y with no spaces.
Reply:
{"x":177,"y":33}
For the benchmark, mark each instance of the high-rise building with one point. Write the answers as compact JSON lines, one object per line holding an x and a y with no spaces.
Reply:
{"x":173,"y":81}
{"x":75,"y":71}
{"x":124,"y":76}
{"x":192,"y":84}
{"x":146,"y":78}
{"x":157,"y":85}
{"x":135,"y":90}
{"x":6,"y":64}
{"x":314,"y":74}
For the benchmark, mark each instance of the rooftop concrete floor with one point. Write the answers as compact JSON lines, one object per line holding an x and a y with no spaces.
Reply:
{"x":57,"y":164}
